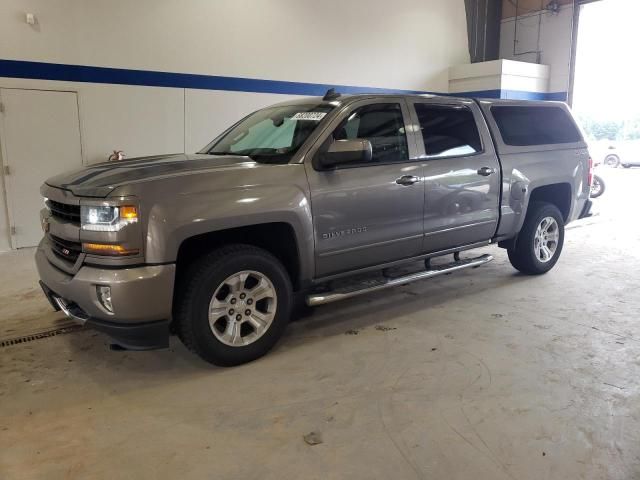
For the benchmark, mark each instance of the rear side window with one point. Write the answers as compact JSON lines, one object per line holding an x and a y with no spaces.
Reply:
{"x":523,"y":126}
{"x":448,"y":131}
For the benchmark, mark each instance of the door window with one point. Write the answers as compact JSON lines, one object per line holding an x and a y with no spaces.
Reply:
{"x":448,"y":131}
{"x":382,"y":124}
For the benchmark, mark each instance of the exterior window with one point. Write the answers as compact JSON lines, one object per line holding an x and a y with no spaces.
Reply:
{"x":523,"y":126}
{"x":448,"y":131}
{"x":273,"y":134}
{"x":382,"y":124}
{"x":267,"y":135}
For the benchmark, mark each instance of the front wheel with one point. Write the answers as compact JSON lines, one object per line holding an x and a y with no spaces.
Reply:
{"x":235,"y":305}
{"x":540,"y":241}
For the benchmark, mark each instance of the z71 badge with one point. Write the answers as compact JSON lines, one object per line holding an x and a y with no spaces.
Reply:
{"x":342,"y":233}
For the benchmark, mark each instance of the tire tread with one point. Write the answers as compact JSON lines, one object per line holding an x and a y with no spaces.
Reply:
{"x":196,"y":272}
{"x":521,"y":255}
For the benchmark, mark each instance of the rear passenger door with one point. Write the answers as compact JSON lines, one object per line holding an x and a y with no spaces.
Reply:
{"x":461,"y":172}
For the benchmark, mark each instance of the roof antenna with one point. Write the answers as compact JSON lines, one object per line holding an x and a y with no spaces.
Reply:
{"x":331,"y":94}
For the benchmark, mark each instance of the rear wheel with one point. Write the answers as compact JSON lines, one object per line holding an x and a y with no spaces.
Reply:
{"x":626,"y":165}
{"x":235,"y":305}
{"x":540,"y":241}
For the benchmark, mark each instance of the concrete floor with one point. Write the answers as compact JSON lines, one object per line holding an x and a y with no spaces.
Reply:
{"x":484,"y":374}
{"x":23,"y":309}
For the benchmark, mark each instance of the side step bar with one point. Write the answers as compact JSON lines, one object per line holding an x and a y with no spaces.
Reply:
{"x":380,"y":284}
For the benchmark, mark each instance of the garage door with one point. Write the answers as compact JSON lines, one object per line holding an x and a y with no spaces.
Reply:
{"x":40,"y":137}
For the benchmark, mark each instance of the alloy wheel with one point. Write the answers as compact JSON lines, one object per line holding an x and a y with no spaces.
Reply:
{"x":242,"y":308}
{"x":545,"y":241}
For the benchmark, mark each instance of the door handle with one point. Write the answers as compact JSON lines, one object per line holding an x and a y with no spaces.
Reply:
{"x":486,"y":171}
{"x":407,"y":180}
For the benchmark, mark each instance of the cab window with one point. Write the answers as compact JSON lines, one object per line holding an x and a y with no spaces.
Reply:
{"x":383,"y":125}
{"x":448,"y":131}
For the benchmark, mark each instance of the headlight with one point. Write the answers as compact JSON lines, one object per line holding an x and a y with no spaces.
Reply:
{"x":107,"y":219}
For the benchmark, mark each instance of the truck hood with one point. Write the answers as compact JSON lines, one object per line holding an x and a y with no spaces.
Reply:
{"x":101,"y":179}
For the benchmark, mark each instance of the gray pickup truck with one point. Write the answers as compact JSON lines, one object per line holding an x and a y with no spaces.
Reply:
{"x":308,"y":201}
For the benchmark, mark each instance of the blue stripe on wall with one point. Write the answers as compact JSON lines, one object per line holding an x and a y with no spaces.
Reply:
{"x":557,"y":96}
{"x":520,"y":95}
{"x":149,"y":78}
{"x":479,"y":94}
{"x":515,"y":95}
{"x":121,"y":76}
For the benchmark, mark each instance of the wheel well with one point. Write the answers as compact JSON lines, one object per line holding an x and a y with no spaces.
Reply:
{"x":559,"y":194}
{"x":277,"y":238}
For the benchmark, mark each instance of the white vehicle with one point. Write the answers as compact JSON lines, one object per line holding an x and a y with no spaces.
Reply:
{"x":625,"y":154}
{"x":629,"y":153}
{"x":604,"y":153}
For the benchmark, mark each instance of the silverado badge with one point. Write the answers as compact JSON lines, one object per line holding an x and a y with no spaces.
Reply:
{"x":342,"y":233}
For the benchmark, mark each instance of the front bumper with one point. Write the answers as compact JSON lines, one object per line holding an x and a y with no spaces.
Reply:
{"x":141,"y":296}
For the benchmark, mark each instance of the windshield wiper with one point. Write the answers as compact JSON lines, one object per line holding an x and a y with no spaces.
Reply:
{"x":233,"y":154}
{"x":270,"y":158}
{"x":264,"y":156}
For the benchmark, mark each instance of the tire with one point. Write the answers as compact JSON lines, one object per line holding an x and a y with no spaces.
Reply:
{"x":524,"y":255}
{"x":232,"y":338}
{"x":597,"y":187}
{"x":626,"y":165}
{"x":612,"y":160}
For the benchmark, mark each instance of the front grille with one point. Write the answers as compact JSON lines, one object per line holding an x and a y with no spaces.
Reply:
{"x":64,"y":211}
{"x":65,"y":249}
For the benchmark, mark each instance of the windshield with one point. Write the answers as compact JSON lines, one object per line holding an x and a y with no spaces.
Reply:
{"x":273,"y":134}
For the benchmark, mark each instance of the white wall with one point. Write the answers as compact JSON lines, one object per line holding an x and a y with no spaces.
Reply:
{"x":203,"y":122}
{"x":404,"y":44}
{"x":555,"y":43}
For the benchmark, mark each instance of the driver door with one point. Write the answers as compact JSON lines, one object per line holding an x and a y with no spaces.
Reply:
{"x":371,"y":213}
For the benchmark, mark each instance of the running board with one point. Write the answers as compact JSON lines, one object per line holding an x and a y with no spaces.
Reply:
{"x":373,"y":285}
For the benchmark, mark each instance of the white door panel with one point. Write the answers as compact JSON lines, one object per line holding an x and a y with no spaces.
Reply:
{"x":41,"y":138}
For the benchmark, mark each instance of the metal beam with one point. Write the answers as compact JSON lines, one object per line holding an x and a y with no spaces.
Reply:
{"x":483,"y":29}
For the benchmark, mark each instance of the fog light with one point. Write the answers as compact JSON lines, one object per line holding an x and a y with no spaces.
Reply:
{"x":104,"y":295}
